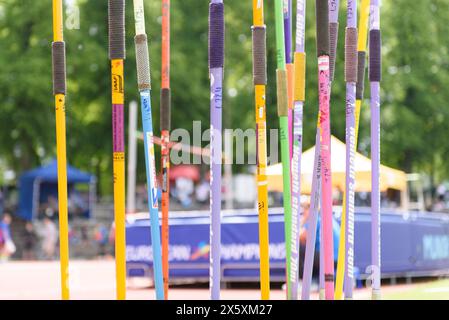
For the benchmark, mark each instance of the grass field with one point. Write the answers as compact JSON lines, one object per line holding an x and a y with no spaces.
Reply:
{"x":96,"y":280}
{"x":432,"y":290}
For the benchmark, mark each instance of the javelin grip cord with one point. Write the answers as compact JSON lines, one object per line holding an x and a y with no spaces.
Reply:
{"x":361,"y":56}
{"x":333,"y":40}
{"x":216,"y":35}
{"x":351,"y":57}
{"x":322,"y":32}
{"x":143,"y":62}
{"x":259,"y":55}
{"x":165,"y":109}
{"x":59,"y":69}
{"x":375,"y":60}
{"x":116,"y":16}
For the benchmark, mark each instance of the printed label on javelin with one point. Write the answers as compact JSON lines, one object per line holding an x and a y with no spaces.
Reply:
{"x":154,"y":204}
{"x":118,"y":135}
{"x":117,"y":82}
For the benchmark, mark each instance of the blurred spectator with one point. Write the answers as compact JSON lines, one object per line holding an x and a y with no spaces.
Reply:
{"x":111,"y":237}
{"x":84,"y":235}
{"x":29,"y":242}
{"x":101,"y":237}
{"x":202,"y":192}
{"x":50,"y":237}
{"x":440,"y":205}
{"x":7,"y":246}
{"x":77,"y":206}
{"x":184,"y":191}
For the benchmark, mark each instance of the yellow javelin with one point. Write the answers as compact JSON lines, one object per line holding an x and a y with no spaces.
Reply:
{"x":59,"y":90}
{"x":361,"y":47}
{"x":260,"y":81}
{"x":116,"y":17}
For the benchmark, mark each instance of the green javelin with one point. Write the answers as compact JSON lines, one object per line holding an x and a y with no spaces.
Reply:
{"x":282,"y":101}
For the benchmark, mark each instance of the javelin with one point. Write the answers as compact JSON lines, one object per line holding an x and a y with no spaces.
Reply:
{"x":351,"y":81}
{"x":165,"y":105}
{"x":116,"y":16}
{"x":287,"y":7}
{"x":260,"y":82}
{"x":361,"y":55}
{"x":59,"y":91}
{"x":334,"y":6}
{"x":315,"y":202}
{"x":144,"y":84}
{"x":282,"y":102}
{"x":322,"y":20}
{"x":216,"y":64}
{"x":375,"y":74}
{"x":299,"y":98}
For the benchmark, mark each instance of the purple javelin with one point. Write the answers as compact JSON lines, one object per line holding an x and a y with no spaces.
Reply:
{"x":333,"y":11}
{"x":288,"y":30}
{"x":297,"y":153}
{"x":216,"y":63}
{"x":350,"y":159}
{"x":375,"y":78}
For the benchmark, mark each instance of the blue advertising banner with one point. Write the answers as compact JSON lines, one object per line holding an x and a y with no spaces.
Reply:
{"x":412,"y":243}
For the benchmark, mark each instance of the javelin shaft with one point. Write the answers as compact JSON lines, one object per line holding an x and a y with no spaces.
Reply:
{"x":144,"y":85}
{"x":260,"y":81}
{"x":299,"y":98}
{"x":313,"y":221}
{"x":375,"y":74}
{"x":316,"y":179}
{"x":116,"y":15}
{"x":362,"y":37}
{"x":57,"y":21}
{"x":216,"y":64}
{"x":287,"y":10}
{"x":322,"y":14}
{"x":351,"y":81}
{"x":145,"y":96}
{"x":59,"y":91}
{"x":165,"y":136}
{"x":282,"y":101}
{"x":334,"y":6}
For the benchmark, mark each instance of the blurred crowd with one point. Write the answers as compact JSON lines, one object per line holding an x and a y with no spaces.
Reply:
{"x":185,"y":194}
{"x":39,"y":240}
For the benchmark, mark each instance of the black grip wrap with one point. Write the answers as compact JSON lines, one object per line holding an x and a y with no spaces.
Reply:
{"x":58,"y":62}
{"x":259,"y":56}
{"x":351,"y":58}
{"x":216,"y":35}
{"x":360,"y":75}
{"x":116,"y":16}
{"x":333,"y":40}
{"x":375,"y":60}
{"x":322,"y":27}
{"x":165,"y":109}
{"x":143,"y":62}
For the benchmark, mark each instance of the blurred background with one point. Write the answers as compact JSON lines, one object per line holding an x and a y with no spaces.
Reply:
{"x":414,"y":116}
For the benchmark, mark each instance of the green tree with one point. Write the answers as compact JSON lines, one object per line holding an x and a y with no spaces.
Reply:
{"x":414,"y":97}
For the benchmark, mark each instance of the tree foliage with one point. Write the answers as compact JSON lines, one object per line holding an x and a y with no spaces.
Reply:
{"x":414,"y":107}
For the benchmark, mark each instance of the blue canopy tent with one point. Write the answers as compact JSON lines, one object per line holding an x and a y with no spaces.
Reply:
{"x":37,"y":184}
